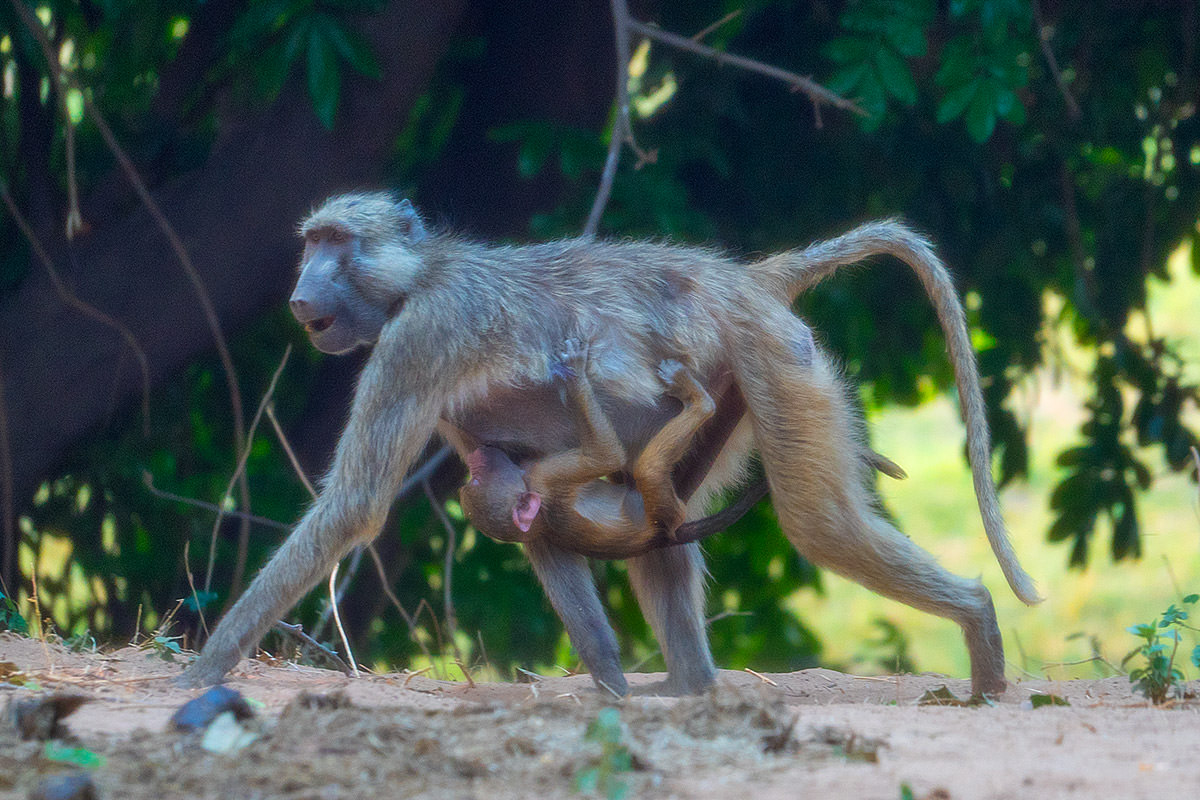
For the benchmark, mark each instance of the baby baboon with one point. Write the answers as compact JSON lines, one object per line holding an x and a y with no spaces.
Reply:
{"x":464,"y":340}
{"x":562,"y":495}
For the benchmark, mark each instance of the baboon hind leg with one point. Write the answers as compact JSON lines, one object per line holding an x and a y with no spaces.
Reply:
{"x":806,"y":438}
{"x":669,"y":586}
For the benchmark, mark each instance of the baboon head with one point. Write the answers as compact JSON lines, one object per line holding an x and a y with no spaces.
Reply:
{"x":496,"y":498}
{"x":360,"y":263}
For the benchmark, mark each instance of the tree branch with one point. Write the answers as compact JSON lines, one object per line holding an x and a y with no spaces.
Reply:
{"x":620,"y":126}
{"x":1043,"y":38}
{"x":63,"y":81}
{"x":817,"y":93}
{"x":622,"y":130}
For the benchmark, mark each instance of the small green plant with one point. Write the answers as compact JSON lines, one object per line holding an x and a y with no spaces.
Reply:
{"x":1158,"y":677}
{"x":10,"y":617}
{"x":605,"y":774}
{"x":77,"y":756}
{"x":165,"y":647}
{"x":81,"y":643}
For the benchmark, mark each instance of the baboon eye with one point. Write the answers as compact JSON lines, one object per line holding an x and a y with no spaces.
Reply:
{"x":337,"y":236}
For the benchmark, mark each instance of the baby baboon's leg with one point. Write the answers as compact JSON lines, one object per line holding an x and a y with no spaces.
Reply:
{"x":568,"y":583}
{"x":669,"y":586}
{"x":652,"y":469}
{"x":805,"y":434}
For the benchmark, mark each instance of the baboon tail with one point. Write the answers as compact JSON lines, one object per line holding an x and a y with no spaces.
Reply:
{"x":788,"y":274}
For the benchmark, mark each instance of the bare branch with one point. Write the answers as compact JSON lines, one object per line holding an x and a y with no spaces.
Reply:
{"x":239,"y":473}
{"x":620,"y":126}
{"x":622,"y":130}
{"x":148,"y":482}
{"x":700,"y":35}
{"x":1043,"y":37}
{"x":299,"y":634}
{"x":391,"y":596}
{"x":62,"y":80}
{"x":815,"y":91}
{"x":337,"y":619}
{"x":86,"y":309}
{"x":287,"y":448}
{"x":187,"y":568}
{"x":447,"y":569}
{"x":423,"y":473}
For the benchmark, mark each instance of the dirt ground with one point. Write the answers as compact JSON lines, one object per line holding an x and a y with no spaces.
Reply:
{"x":815,"y":733}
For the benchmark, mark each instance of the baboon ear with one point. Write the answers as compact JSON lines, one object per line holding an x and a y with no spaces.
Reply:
{"x":527,"y":507}
{"x":411,"y":226}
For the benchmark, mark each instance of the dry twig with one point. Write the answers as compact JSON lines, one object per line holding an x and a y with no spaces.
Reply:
{"x":448,"y":567}
{"x":337,"y":619}
{"x":239,"y":474}
{"x":187,"y":567}
{"x":298,"y":633}
{"x":760,"y":676}
{"x":148,"y":482}
{"x":69,"y":299}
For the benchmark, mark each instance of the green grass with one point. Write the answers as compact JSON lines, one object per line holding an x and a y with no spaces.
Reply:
{"x":936,"y":507}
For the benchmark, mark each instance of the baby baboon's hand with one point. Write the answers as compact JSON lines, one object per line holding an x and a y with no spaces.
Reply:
{"x":573,"y":360}
{"x":673,"y":374}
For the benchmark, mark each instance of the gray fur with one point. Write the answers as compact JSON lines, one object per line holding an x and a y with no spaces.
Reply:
{"x":469,"y":330}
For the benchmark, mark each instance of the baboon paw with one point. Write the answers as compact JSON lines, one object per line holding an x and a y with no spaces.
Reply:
{"x":573,"y":359}
{"x":670,"y":372}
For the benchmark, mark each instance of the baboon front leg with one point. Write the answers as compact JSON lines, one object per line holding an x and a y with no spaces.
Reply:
{"x":806,"y":438}
{"x":568,"y":584}
{"x":669,"y":586}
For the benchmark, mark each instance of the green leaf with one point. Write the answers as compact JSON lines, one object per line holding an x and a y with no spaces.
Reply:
{"x":587,"y":781}
{"x":79,"y":756}
{"x":872,"y":99}
{"x":848,"y":49}
{"x":1196,"y":656}
{"x":958,"y":62}
{"x":1146,"y":630}
{"x":1044,"y":700}
{"x":1191,"y":598}
{"x":896,"y":77}
{"x":909,"y":40}
{"x":941,"y":696}
{"x":324,"y":79}
{"x":956,"y":101}
{"x":353,"y":49}
{"x":981,"y":113}
{"x":845,"y":80}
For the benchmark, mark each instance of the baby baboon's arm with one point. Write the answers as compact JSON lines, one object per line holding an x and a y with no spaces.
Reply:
{"x":600,"y":451}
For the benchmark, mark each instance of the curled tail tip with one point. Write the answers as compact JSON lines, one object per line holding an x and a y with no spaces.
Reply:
{"x":1025,"y":589}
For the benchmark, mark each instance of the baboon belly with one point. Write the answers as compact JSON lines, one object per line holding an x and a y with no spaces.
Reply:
{"x":532,"y":421}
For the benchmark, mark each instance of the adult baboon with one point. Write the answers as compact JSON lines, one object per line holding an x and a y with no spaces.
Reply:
{"x":465,"y":335}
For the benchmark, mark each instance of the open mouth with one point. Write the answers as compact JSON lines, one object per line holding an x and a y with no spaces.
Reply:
{"x":319,"y":325}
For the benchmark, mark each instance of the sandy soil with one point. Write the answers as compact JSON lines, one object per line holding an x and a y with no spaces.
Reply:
{"x":816,"y":733}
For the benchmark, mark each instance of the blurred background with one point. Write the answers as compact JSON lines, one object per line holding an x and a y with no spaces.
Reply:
{"x":157,"y":156}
